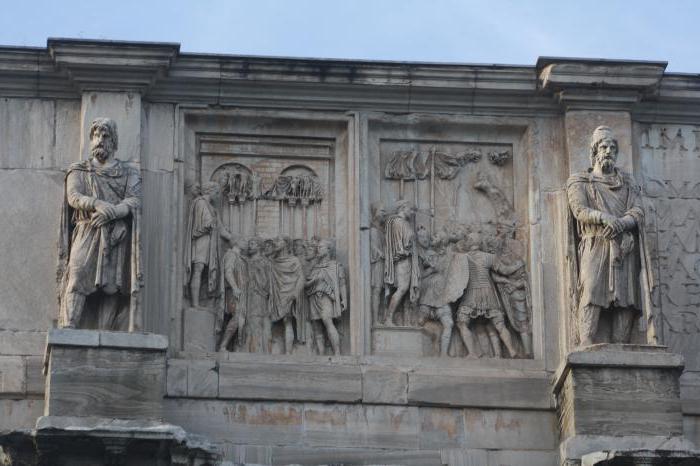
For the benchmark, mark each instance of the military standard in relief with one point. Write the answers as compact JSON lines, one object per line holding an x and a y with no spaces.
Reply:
{"x":278,"y":261}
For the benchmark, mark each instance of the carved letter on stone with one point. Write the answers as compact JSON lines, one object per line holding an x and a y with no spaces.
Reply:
{"x":99,"y":241}
{"x":606,"y":206}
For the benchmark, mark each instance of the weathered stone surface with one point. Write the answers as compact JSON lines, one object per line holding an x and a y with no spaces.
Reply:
{"x":384,"y":385}
{"x":176,"y":385}
{"x":126,"y":381}
{"x":19,"y":414}
{"x":355,"y":456}
{"x":441,"y":428}
{"x":13,"y":379}
{"x":246,"y":422}
{"x":480,"y":389}
{"x":501,"y":429}
{"x":201,"y":324}
{"x":203,"y":379}
{"x":290,"y":381}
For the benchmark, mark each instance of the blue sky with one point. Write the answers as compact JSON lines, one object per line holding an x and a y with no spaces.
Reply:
{"x":465,"y":31}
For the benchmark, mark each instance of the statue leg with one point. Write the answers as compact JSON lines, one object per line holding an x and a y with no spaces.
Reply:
{"x":494,"y":339}
{"x":195,"y":283}
{"x":73,"y":303}
{"x":588,"y":323}
{"x":319,"y":337}
{"x":332,"y":335}
{"x":445,"y":315}
{"x":107,"y":318}
{"x":500,"y":325}
{"x":622,"y":321}
{"x":402,"y":272}
{"x":466,"y":334}
{"x":288,"y":334}
{"x":230,"y":331}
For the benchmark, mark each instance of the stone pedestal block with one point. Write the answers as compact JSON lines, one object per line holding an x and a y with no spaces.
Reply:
{"x":201,"y":324}
{"x":105,"y":374}
{"x":619,"y":397}
{"x":400,"y":341}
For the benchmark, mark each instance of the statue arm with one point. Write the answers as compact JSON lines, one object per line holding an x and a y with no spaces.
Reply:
{"x":132,"y":197}
{"x":74,"y":193}
{"x":579,"y":206}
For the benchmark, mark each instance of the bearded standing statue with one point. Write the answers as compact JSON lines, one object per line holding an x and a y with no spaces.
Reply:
{"x":607,"y":210}
{"x":99,"y":272}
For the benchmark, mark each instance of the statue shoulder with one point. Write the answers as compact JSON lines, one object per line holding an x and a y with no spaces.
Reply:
{"x":580,"y":177}
{"x":129,"y":167}
{"x":83,"y":165}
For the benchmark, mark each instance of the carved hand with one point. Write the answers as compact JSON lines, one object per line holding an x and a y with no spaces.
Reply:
{"x":614,"y":228}
{"x":106,"y":210}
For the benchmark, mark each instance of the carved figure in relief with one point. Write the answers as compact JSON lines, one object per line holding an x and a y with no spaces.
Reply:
{"x":678,"y":142}
{"x":203,"y":231}
{"x":514,"y":290}
{"x":258,"y":327}
{"x":235,"y":274}
{"x":606,"y":206}
{"x":431,"y":305}
{"x":100,"y":237}
{"x":376,"y":258}
{"x":400,"y":259}
{"x":480,"y":300}
{"x":286,"y":289}
{"x":326,"y":292}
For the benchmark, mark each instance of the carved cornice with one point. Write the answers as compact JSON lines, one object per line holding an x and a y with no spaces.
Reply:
{"x":67,"y":67}
{"x":112,"y":65}
{"x":599,"y":84}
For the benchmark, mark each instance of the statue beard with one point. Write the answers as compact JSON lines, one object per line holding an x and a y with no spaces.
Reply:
{"x":607,"y":164}
{"x":100,"y":153}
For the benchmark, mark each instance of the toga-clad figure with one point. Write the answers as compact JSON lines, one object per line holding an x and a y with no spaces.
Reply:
{"x":326,"y":291}
{"x":606,"y":205}
{"x":235,"y":281}
{"x":99,"y":240}
{"x":286,"y":289}
{"x":401,"y":270}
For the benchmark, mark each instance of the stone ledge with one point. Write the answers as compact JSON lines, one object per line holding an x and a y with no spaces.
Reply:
{"x":618,"y":355}
{"x":351,"y":379}
{"x":106,"y":339}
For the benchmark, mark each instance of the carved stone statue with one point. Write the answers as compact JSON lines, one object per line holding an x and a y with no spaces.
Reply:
{"x":235,"y":274}
{"x":606,"y":205}
{"x":376,"y":259}
{"x":287,"y":286}
{"x":203,"y":230}
{"x":257,"y":300}
{"x":480,"y":300}
{"x":400,"y":259}
{"x":99,"y":241}
{"x":430,"y":304}
{"x":326,"y":291}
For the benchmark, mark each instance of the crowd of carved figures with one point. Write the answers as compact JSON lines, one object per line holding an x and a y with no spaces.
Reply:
{"x":258,"y":282}
{"x":470,"y":278}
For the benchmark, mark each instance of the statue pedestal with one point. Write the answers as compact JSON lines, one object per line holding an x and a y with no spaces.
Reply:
{"x":200,"y":324}
{"x":619,"y":398}
{"x":104,"y":374}
{"x":400,"y":341}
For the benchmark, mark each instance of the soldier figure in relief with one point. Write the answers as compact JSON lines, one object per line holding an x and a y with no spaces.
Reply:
{"x":400,"y":259}
{"x":326,"y":292}
{"x":99,"y":241}
{"x":203,"y":231}
{"x":606,"y":205}
{"x":480,"y":300}
{"x":235,"y":278}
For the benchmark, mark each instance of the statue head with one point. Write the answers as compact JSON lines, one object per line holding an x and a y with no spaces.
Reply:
{"x":311,"y":246}
{"x":253,"y":246}
{"x":211,"y":189}
{"x":423,"y":237}
{"x":299,"y":247}
{"x":473,"y":241}
{"x":378,"y":212}
{"x":281,"y":245}
{"x":603,"y":149}
{"x":103,"y":139}
{"x":403,"y":208}
{"x":324,"y":248}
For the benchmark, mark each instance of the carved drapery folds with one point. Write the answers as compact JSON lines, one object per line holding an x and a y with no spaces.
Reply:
{"x":444,"y":262}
